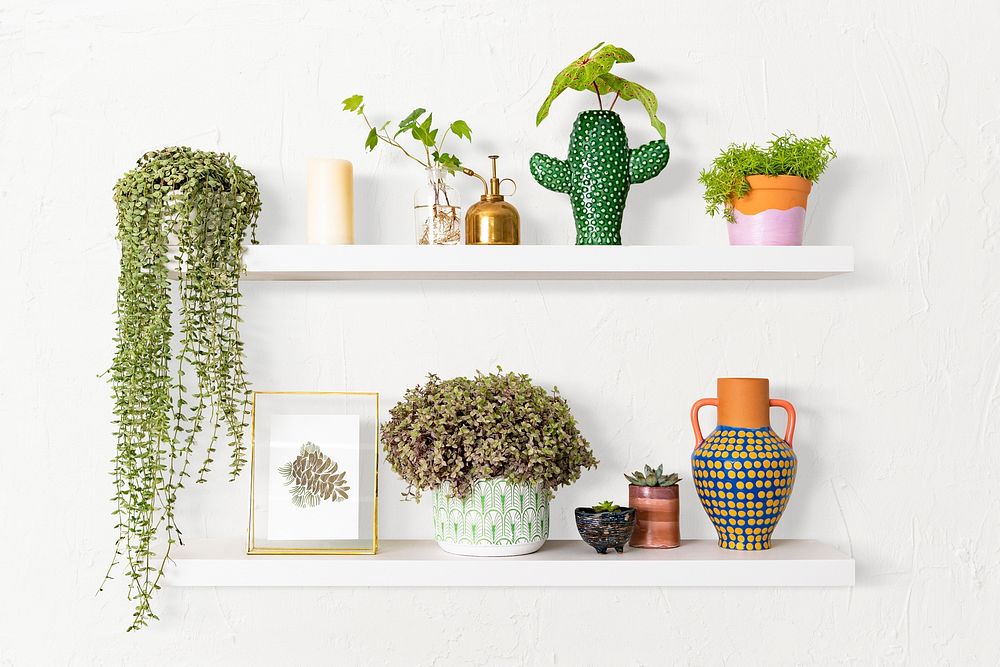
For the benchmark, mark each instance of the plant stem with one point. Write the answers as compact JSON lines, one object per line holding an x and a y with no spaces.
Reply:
{"x":611,"y":108}
{"x":392,"y":142}
{"x":600,"y":103}
{"x":444,"y":135}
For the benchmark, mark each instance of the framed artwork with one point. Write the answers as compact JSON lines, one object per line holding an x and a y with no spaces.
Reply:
{"x":314,"y":473}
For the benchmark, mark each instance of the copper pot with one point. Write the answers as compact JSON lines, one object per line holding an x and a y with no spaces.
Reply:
{"x":658,"y":511}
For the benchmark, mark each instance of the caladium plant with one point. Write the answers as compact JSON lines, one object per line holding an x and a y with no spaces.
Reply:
{"x":592,"y":71}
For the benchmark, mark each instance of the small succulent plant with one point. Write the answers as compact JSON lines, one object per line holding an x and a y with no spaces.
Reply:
{"x":651,"y":477}
{"x":606,"y":506}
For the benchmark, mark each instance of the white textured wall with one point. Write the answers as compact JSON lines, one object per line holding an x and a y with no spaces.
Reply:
{"x":894,"y":369}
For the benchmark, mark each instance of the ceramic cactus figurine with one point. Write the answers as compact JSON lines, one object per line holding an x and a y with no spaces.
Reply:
{"x":600,"y":167}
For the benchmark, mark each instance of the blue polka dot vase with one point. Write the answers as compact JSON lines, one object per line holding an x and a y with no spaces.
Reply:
{"x":743,"y":471}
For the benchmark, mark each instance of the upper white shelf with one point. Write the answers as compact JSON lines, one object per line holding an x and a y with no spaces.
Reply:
{"x":560,"y":563}
{"x":551,"y":262}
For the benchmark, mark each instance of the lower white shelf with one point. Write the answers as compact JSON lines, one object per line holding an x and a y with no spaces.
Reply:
{"x":560,"y":563}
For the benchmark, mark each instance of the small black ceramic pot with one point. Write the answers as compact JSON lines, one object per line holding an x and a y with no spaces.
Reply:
{"x":605,"y":530}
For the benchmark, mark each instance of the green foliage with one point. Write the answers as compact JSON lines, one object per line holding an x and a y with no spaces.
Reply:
{"x":592,"y":71}
{"x":628,"y":90}
{"x":785,"y":155}
{"x":606,"y":506}
{"x":496,"y":425}
{"x":162,"y":401}
{"x":420,"y":128}
{"x":650,"y":476}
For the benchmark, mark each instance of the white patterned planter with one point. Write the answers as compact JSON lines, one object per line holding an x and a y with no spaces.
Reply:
{"x":496,"y":519}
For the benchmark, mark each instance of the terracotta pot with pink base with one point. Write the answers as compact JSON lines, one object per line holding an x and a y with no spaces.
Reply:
{"x":762,"y":191}
{"x":772,"y":213}
{"x":656,"y":500}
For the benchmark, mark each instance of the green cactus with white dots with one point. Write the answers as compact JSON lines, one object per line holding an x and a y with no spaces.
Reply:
{"x":600,"y":167}
{"x":598,"y":173}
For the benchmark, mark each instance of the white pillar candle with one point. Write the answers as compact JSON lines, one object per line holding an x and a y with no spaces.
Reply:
{"x":330,"y":202}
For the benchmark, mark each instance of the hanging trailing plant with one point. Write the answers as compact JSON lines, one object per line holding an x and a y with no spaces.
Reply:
{"x":195,"y":208}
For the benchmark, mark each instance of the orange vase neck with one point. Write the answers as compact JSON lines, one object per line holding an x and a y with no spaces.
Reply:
{"x":743,"y":402}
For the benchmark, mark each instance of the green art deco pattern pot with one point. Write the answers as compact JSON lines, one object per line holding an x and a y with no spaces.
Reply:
{"x":497,"y":519}
{"x":597,"y":174}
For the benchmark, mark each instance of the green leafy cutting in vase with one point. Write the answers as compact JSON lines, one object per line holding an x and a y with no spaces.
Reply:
{"x":314,"y":478}
{"x":592,"y":71}
{"x":418,"y":124}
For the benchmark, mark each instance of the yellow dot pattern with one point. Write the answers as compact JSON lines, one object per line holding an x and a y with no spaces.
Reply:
{"x":744,"y":478}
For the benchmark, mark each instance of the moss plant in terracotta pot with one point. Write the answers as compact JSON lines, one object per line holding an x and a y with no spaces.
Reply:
{"x":655,"y":497}
{"x":763,"y":192}
{"x":600,"y":166}
{"x":605,"y":526}
{"x":491,"y":450}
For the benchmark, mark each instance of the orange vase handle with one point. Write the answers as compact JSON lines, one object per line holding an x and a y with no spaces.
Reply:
{"x":790,"y":427}
{"x":698,"y":405}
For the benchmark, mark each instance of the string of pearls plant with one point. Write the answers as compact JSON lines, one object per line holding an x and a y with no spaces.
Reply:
{"x":203,"y":203}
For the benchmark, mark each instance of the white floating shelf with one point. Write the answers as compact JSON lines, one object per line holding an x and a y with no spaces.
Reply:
{"x":560,"y":563}
{"x":552,"y":262}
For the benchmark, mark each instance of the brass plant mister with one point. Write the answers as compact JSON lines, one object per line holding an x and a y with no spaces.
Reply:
{"x":491,"y":220}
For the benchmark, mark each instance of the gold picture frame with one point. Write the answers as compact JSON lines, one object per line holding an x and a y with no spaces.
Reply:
{"x":365,"y":545}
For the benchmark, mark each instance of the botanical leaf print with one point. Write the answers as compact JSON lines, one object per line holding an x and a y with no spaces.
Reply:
{"x":314,"y":478}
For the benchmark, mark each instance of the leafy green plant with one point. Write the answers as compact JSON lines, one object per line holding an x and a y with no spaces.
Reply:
{"x":418,"y":124}
{"x":784,"y":155}
{"x":492,"y":425}
{"x":606,"y":506}
{"x":650,"y":476}
{"x":163,"y":402}
{"x":592,"y":71}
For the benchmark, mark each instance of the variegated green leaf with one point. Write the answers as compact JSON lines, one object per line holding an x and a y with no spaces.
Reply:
{"x":583,"y":73}
{"x":629,"y":90}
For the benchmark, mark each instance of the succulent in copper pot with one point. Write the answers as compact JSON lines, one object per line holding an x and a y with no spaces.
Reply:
{"x":655,"y":497}
{"x":605,"y":526}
